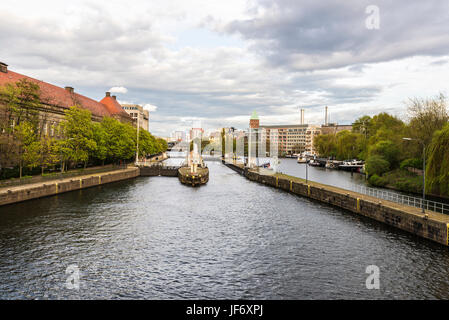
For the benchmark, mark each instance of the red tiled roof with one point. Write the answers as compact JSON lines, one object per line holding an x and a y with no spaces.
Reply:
{"x":58,"y":96}
{"x":114,"y":107}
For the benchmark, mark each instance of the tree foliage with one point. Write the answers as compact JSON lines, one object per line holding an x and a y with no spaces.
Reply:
{"x":326,"y":145}
{"x":388,"y":150}
{"x":437,"y":168}
{"x":427,"y":116}
{"x":78,"y":132}
{"x":19,"y":121}
{"x":376,"y":165}
{"x":343,"y":145}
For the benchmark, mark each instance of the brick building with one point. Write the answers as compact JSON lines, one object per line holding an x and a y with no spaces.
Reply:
{"x":56,"y":100}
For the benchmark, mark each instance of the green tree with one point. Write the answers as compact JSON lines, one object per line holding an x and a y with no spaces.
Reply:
{"x":25,"y":135}
{"x":121,"y":139}
{"x":163,"y":145}
{"x":388,"y":151}
{"x":363,"y":125}
{"x":148,"y":144}
{"x":326,"y":145}
{"x":427,"y":116}
{"x":99,"y":134}
{"x":78,"y":131}
{"x":348,"y":145}
{"x":387,"y":121}
{"x":376,"y":165}
{"x":437,"y":167}
{"x":48,"y":152}
{"x":20,"y":103}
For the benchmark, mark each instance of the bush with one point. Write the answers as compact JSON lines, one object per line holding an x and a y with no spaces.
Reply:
{"x":8,"y":173}
{"x":376,"y":165}
{"x":409,"y":185}
{"x":412,"y":163}
{"x":377,"y":181}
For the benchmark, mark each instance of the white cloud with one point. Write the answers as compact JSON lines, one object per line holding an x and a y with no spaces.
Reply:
{"x":156,"y":52}
{"x":118,"y":90}
{"x":150,"y":107}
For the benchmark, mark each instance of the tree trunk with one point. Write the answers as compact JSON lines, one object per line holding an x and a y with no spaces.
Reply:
{"x":20,"y":169}
{"x":42,"y":170}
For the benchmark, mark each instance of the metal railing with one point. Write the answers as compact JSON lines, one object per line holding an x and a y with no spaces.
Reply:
{"x":403,"y":199}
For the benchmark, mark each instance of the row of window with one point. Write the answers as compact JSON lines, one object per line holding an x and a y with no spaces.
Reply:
{"x":51,"y":129}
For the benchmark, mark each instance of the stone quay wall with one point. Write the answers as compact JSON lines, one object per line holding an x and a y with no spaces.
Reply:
{"x":433,"y":226}
{"x":50,"y":188}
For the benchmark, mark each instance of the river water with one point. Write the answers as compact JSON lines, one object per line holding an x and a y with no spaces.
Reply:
{"x":153,"y":238}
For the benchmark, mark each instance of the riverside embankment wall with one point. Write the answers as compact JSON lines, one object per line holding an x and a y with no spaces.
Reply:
{"x":434,"y":227}
{"x":50,"y":188}
{"x":159,"y":170}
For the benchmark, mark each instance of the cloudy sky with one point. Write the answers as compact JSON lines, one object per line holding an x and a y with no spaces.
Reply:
{"x":217,"y":61}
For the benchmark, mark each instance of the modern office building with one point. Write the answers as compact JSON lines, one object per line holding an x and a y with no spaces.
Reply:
{"x":139,"y":115}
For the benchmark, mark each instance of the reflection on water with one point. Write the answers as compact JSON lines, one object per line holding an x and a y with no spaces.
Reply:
{"x":153,"y":238}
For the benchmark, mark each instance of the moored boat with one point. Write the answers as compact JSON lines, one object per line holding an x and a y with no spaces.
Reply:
{"x":186,"y":176}
{"x":352,"y":165}
{"x":194,"y":172}
{"x":315,"y":163}
{"x":301,"y":159}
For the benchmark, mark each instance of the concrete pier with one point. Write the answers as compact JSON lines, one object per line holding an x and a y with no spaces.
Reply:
{"x":433,"y":226}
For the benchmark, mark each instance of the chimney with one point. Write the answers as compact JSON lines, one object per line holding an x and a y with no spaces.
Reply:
{"x":114,"y":97}
{"x":326,"y":122}
{"x":3,"y":67}
{"x":69,"y":89}
{"x":108,"y":94}
{"x":302,"y":116}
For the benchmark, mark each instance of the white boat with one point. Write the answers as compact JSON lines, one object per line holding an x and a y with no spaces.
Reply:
{"x":354,"y":165}
{"x":301,"y":159}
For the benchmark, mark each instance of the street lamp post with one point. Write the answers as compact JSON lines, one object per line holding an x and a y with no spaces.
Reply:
{"x":137,"y":139}
{"x":423,"y":169}
{"x":307,"y":172}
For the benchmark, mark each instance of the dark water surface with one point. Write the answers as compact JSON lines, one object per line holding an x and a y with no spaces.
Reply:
{"x":153,"y":238}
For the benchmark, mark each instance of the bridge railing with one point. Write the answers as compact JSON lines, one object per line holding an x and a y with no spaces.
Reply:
{"x":403,"y":199}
